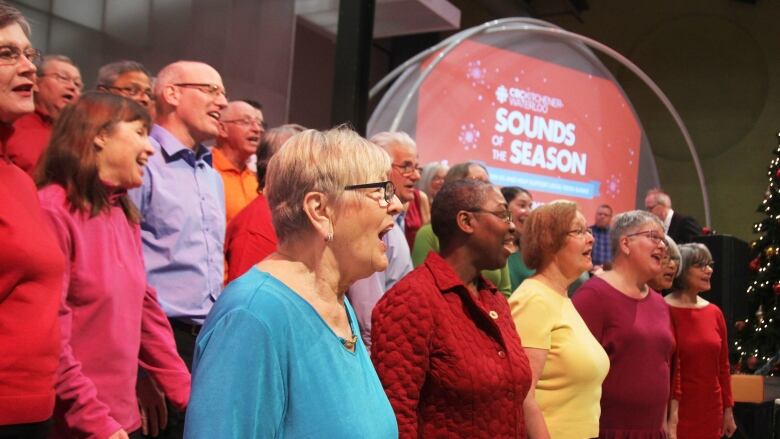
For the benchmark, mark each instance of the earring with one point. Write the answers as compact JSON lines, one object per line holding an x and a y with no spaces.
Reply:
{"x":329,"y":238}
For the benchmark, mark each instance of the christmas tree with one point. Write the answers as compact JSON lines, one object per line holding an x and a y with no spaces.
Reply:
{"x":758,"y":337}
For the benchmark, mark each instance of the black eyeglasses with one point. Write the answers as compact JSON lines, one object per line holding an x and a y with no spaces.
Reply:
{"x":702,"y":265}
{"x":209,"y":89}
{"x":387,"y":186}
{"x":10,"y":55}
{"x":503,"y":215}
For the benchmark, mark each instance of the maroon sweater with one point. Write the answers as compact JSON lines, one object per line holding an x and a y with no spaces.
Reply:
{"x":451,"y":363}
{"x":31,"y":275}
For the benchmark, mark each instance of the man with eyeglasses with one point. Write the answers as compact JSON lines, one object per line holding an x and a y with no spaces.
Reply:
{"x":58,"y":83}
{"x":126,"y":78}
{"x":182,"y":206}
{"x":365,"y":293}
{"x":681,"y":228}
{"x":241,"y":128}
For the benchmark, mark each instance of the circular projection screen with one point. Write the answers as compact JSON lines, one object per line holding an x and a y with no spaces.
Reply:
{"x":538,"y":110}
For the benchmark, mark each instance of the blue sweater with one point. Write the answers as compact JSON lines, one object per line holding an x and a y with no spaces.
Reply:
{"x":267,"y":366}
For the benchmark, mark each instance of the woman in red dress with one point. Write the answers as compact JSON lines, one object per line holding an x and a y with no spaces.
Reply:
{"x":705,"y":405}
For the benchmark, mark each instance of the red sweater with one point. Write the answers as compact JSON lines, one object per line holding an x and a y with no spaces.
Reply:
{"x":31,"y":269}
{"x":703,"y":348}
{"x":249,"y":238}
{"x":29,"y":140}
{"x":110,"y":320}
{"x":451,"y":363}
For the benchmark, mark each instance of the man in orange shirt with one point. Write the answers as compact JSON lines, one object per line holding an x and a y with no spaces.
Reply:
{"x":241,"y":129}
{"x":59,"y":83}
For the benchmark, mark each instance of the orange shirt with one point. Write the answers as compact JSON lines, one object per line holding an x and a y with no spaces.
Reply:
{"x":240,"y":186}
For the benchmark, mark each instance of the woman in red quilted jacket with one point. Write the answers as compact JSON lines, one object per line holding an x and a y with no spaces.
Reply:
{"x":445,"y":346}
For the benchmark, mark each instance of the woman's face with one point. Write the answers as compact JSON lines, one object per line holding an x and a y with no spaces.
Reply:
{"x":520,"y":207}
{"x":122,"y":154}
{"x":493,"y":232}
{"x":697,"y":277}
{"x":16,"y":76}
{"x":437,"y":181}
{"x":575,"y":255}
{"x":663,"y":281}
{"x":358,"y":229}
{"x":644,"y":248}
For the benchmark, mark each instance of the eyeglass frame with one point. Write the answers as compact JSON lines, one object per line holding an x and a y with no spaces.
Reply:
{"x":128,"y":91}
{"x":408,"y":169}
{"x":504,"y":215}
{"x":213,"y":90}
{"x":32,"y":54}
{"x":650,"y":234}
{"x":579,"y":233}
{"x":378,"y":185}
{"x":63,"y":78}
{"x":248,"y":121}
{"x":702,"y":265}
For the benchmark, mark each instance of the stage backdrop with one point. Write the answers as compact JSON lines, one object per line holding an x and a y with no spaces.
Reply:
{"x":540,"y":113}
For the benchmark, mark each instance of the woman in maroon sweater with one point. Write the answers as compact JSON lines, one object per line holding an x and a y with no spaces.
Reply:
{"x":445,"y":346}
{"x":31,"y":263}
{"x":110,"y":320}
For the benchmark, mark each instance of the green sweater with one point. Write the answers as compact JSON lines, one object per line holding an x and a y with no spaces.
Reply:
{"x":427,"y":241}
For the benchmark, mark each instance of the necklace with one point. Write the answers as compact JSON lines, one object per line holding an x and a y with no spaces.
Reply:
{"x":350,"y":342}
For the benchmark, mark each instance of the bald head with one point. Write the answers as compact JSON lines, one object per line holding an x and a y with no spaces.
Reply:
{"x":241,"y":128}
{"x":189,"y":97}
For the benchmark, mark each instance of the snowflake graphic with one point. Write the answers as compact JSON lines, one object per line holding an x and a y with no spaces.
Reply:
{"x":501,"y":94}
{"x":469,"y":136}
{"x":612,"y":186}
{"x":476,"y":73}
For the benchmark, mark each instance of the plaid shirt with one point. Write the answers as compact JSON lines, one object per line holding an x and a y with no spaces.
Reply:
{"x":602,"y":254}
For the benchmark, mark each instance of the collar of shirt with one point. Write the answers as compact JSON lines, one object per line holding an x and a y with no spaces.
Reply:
{"x":447,"y":280}
{"x":172,"y":149}
{"x":668,"y":220}
{"x":222,"y":164}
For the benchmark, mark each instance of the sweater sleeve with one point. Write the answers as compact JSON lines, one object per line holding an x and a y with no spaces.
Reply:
{"x":725,"y":368}
{"x":402,"y":327}
{"x":84,"y":413}
{"x":158,"y":355}
{"x":238,"y":383}
{"x":243,"y":250}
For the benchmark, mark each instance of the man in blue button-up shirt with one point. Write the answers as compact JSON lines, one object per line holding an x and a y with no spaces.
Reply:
{"x":182,"y":201}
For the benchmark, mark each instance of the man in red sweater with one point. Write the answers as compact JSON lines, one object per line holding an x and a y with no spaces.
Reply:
{"x":59,"y":83}
{"x":31,"y":265}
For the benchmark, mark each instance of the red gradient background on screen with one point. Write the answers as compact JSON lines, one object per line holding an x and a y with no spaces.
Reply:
{"x":558,"y":132}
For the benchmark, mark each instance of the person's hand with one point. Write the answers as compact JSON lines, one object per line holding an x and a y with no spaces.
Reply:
{"x":729,"y":426}
{"x":121,"y":434}
{"x":151,"y":403}
{"x":670,"y":427}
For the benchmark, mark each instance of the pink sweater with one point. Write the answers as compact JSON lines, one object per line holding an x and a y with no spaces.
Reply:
{"x":110,"y":323}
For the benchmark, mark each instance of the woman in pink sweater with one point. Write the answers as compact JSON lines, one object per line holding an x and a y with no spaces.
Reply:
{"x":110,"y":320}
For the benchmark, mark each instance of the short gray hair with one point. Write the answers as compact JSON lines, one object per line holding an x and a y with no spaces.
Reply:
{"x":461,"y":171}
{"x":10,"y":15}
{"x":674,"y":253}
{"x":628,"y":222}
{"x":321,"y":161}
{"x":109,"y":73}
{"x":660,"y":197}
{"x":389,"y":139}
{"x":54,"y":57}
{"x":690,"y":254}
{"x":428,"y":173}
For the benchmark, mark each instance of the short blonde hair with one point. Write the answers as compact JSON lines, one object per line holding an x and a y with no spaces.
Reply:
{"x":321,"y":161}
{"x":545,"y":231}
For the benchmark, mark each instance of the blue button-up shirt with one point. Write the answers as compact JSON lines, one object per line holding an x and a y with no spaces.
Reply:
{"x":182,"y":204}
{"x":602,"y":253}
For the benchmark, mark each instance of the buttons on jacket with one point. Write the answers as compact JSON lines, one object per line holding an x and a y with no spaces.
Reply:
{"x":493,"y":315}
{"x":501,"y":354}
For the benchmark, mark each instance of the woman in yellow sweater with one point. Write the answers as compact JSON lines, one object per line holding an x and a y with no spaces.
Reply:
{"x":568,"y":365}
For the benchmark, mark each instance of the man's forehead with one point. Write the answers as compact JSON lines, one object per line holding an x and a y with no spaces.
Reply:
{"x":241,"y":109}
{"x":13,"y":35}
{"x":134,"y":77}
{"x":403,"y":153}
{"x":62,"y":66}
{"x":199,"y":73}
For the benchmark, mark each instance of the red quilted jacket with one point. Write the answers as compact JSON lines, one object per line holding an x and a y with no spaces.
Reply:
{"x":452,"y":364}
